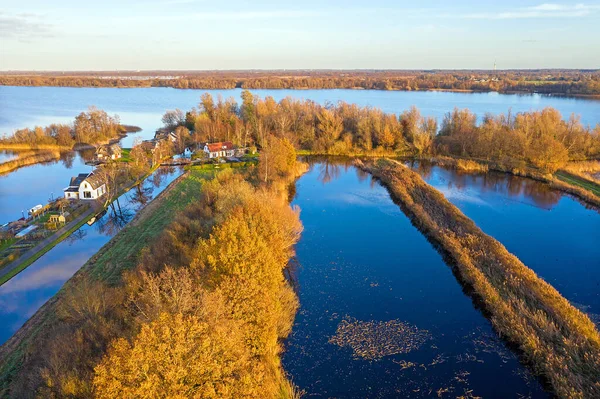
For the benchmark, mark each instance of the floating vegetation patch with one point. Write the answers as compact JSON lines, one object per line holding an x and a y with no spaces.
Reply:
{"x":373,"y":340}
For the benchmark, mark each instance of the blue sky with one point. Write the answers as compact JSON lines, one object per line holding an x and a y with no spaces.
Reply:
{"x":237,"y":34}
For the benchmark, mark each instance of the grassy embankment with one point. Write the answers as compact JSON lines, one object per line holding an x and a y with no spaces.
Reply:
{"x":27,"y":159}
{"x":582,"y":174}
{"x":118,"y":254}
{"x":560,"y":342}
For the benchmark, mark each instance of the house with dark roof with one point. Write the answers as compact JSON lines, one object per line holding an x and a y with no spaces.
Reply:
{"x":85,"y":186}
{"x":220,"y":149}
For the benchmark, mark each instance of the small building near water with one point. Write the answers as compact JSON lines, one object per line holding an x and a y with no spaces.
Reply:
{"x":107,"y":152}
{"x":85,"y":186}
{"x":57,"y":219}
{"x":220,"y":149}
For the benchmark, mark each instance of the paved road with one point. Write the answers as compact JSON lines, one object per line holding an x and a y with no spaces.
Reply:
{"x":47,"y":241}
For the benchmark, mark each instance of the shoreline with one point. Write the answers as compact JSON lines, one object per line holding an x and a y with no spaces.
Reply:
{"x":548,"y":331}
{"x":463,"y":91}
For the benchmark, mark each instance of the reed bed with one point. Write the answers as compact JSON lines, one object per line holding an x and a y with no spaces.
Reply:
{"x":560,"y":342}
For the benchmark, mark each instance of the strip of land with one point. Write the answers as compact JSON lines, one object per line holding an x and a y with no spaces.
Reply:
{"x":25,"y":260}
{"x":118,"y":254}
{"x":560,"y":342}
{"x":552,"y":81}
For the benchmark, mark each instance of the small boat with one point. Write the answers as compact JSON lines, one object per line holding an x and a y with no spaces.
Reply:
{"x":96,"y":217}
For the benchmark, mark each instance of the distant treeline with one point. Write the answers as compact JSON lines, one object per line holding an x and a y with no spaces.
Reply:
{"x":558,"y":82}
{"x":92,"y":127}
{"x":542,"y":139}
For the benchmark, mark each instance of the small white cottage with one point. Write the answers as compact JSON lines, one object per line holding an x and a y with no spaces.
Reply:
{"x":85,"y":186}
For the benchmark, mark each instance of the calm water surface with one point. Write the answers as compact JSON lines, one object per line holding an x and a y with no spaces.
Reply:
{"x":36,"y":184}
{"x":29,"y":106}
{"x":360,"y":259}
{"x":551,"y":232}
{"x":25,"y":293}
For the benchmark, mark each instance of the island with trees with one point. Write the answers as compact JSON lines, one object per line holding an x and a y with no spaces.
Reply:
{"x":569,"y":82}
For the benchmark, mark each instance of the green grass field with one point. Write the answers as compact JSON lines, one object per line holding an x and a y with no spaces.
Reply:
{"x":578,"y":181}
{"x":123,"y":250}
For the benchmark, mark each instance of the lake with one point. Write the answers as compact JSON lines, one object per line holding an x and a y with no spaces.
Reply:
{"x":363,"y":267}
{"x":25,"y":293}
{"x":29,"y":106}
{"x":551,"y":232}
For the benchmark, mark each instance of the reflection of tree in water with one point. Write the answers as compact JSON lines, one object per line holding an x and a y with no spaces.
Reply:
{"x":423,"y":168}
{"x":77,"y":235}
{"x":159,"y":176}
{"x":328,"y":171}
{"x":539,"y":193}
{"x":115,"y":219}
{"x":88,"y":154}
{"x":361,"y":175}
{"x":67,"y":159}
{"x":141,"y":195}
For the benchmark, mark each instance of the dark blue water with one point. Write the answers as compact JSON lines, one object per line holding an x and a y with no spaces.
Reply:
{"x":359,"y":257}
{"x":25,"y":293}
{"x":551,"y":232}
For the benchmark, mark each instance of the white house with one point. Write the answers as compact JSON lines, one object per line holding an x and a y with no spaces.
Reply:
{"x":220,"y":149}
{"x":85,"y":186}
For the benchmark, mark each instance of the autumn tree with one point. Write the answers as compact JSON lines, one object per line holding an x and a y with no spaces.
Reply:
{"x":172,"y":119}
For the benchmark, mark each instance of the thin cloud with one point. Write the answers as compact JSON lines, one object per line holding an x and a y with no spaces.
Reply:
{"x":24,"y":27}
{"x":546,"y":10}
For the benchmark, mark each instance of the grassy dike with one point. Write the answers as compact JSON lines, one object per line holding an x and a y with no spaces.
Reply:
{"x":575,"y":180}
{"x":560,"y":342}
{"x":120,"y":253}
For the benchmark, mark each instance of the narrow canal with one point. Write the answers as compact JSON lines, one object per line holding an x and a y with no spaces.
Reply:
{"x":381,"y":314}
{"x":551,"y":232}
{"x":25,"y":293}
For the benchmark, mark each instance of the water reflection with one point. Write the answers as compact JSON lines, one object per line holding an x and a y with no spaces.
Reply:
{"x":115,"y":219}
{"x":362,"y":260}
{"x":512,"y":187}
{"x":25,"y":293}
{"x":78,"y":235}
{"x":552,"y":233}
